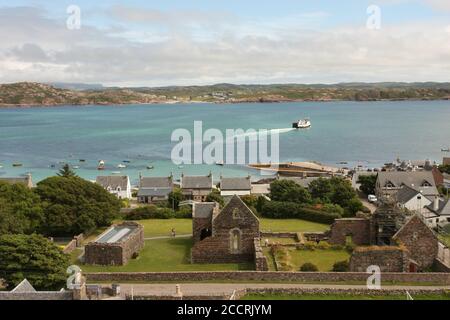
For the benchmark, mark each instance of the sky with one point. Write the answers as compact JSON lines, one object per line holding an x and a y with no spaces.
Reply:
{"x":198,"y":42}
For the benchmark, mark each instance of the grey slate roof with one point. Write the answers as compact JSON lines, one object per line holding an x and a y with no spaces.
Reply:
{"x":443,"y":209}
{"x":156,"y":182}
{"x":24,"y":286}
{"x":413,"y":179}
{"x":154,"y":192}
{"x":113,"y":182}
{"x":197,"y":182}
{"x":405,"y":194}
{"x":203,"y":209}
{"x":242,"y":183}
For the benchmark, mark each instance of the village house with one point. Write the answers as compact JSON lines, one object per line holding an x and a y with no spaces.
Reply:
{"x":235,"y":186}
{"x":154,"y":189}
{"x":260,"y":189}
{"x":390,"y":182}
{"x":412,"y":199}
{"x":25,"y":180}
{"x":439,"y":213}
{"x":196,"y":188}
{"x":117,"y":185}
{"x":225,"y":236}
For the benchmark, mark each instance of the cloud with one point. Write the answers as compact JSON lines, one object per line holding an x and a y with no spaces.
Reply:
{"x":37,"y":48}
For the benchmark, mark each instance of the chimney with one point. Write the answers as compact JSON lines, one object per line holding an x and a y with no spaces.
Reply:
{"x":436,"y":203}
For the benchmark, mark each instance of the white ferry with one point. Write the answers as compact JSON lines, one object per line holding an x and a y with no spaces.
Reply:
{"x":302,"y":124}
{"x":101,"y":165}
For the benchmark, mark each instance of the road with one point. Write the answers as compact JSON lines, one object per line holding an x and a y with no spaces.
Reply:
{"x":228,"y":288}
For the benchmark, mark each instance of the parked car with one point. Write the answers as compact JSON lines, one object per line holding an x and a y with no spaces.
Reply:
{"x":372,"y":198}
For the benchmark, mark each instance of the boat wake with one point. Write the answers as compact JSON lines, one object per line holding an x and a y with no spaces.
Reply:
{"x":262,"y":131}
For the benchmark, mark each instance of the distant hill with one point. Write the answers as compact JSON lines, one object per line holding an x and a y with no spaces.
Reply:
{"x":29,"y":93}
{"x":76,"y":86}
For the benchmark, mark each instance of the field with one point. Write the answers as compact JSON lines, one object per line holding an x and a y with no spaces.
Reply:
{"x":165,"y":255}
{"x":344,"y":297}
{"x":163,"y":227}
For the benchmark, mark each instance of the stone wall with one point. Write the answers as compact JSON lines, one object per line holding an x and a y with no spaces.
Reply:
{"x":269,"y":276}
{"x":41,"y":295}
{"x":261,"y":263}
{"x":72,"y":245}
{"x":389,"y":259}
{"x":117,"y":253}
{"x":199,"y":224}
{"x":357,"y":228}
{"x":420,"y":241}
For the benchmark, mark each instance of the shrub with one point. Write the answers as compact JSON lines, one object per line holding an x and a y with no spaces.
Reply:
{"x":285,"y":210}
{"x":309,"y":267}
{"x":341,"y":266}
{"x":185,"y":212}
{"x":287,"y":190}
{"x":323,"y":245}
{"x":150,"y":212}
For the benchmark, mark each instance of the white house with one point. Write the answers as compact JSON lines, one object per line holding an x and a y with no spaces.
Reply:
{"x":235,"y":186}
{"x":411,"y":199}
{"x":118,"y":185}
{"x":439,"y":213}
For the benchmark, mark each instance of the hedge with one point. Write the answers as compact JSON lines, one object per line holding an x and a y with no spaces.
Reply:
{"x":286,"y":210}
{"x":154,"y":212}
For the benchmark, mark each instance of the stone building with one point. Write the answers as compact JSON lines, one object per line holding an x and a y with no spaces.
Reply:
{"x":154,"y":189}
{"x":350,"y":230}
{"x":196,"y":188}
{"x":116,"y":246}
{"x":388,"y":258}
{"x":25,"y":180}
{"x":419,"y":240}
{"x":226,"y":236}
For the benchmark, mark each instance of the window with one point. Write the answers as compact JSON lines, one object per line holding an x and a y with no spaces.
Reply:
{"x":236,"y":214}
{"x":389,"y":185}
{"x":426,"y":184}
{"x":235,"y":241}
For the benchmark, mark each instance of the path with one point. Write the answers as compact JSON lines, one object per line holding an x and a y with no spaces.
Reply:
{"x":228,"y":288}
{"x":169,"y":237}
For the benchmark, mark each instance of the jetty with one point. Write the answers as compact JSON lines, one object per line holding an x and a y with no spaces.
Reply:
{"x":299,"y":169}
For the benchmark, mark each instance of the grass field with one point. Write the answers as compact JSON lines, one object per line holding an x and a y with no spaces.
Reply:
{"x":344,"y":297}
{"x":165,"y":255}
{"x":163,"y":227}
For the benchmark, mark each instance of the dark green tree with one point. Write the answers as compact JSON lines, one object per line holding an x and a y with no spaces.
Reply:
{"x":66,"y":172}
{"x":215,"y":196}
{"x":175,"y":197}
{"x":367,"y":183}
{"x":20,"y":209}
{"x":34,"y":258}
{"x":287,"y":190}
{"x":74,"y":205}
{"x":321,"y":189}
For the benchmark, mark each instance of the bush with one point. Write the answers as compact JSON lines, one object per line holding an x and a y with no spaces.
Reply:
{"x":185,"y":212}
{"x":286,"y":210}
{"x":150,"y":212}
{"x":287,"y":190}
{"x":341,"y":266}
{"x":323,"y":245}
{"x":309,"y":267}
{"x":215,"y":196}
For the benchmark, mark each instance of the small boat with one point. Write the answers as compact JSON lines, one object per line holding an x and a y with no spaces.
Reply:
{"x":445,"y":149}
{"x":302,"y":124}
{"x":1,"y":166}
{"x":126,"y":161}
{"x":219,"y":163}
{"x":116,"y":172}
{"x":121,"y":166}
{"x":150,"y":167}
{"x":101,"y":165}
{"x":17,"y":165}
{"x":82,"y":160}
{"x":180,"y":167}
{"x":76,"y":167}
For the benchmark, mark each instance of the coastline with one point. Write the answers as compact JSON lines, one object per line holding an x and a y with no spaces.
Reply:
{"x":183,"y":102}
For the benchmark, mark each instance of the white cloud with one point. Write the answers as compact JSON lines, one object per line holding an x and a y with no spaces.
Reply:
{"x":37,"y":48}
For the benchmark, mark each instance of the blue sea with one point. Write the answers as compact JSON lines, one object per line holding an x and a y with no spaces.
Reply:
{"x":359,"y":133}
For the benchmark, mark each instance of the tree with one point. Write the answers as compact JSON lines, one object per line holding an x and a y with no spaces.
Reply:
{"x":32,"y":257}
{"x":73,"y":205}
{"x":367,"y":183}
{"x":175,"y":197}
{"x":66,"y":172}
{"x":215,"y":196}
{"x":321,"y":189}
{"x":287,"y":190}
{"x":20,"y":209}
{"x":341,"y":266}
{"x":444,"y":168}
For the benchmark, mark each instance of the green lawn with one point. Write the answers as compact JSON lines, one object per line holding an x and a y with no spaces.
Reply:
{"x":163,"y":227}
{"x":166,"y":255}
{"x":291,"y":225}
{"x":343,"y":297}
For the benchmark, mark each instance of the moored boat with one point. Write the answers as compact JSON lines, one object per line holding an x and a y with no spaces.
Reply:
{"x":121,"y":166}
{"x":101,"y":165}
{"x":17,"y":164}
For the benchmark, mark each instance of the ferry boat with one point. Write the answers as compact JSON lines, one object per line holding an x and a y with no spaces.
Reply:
{"x":302,"y":124}
{"x":101,"y":165}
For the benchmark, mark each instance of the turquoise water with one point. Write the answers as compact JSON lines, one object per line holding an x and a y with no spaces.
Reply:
{"x":366,"y":133}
